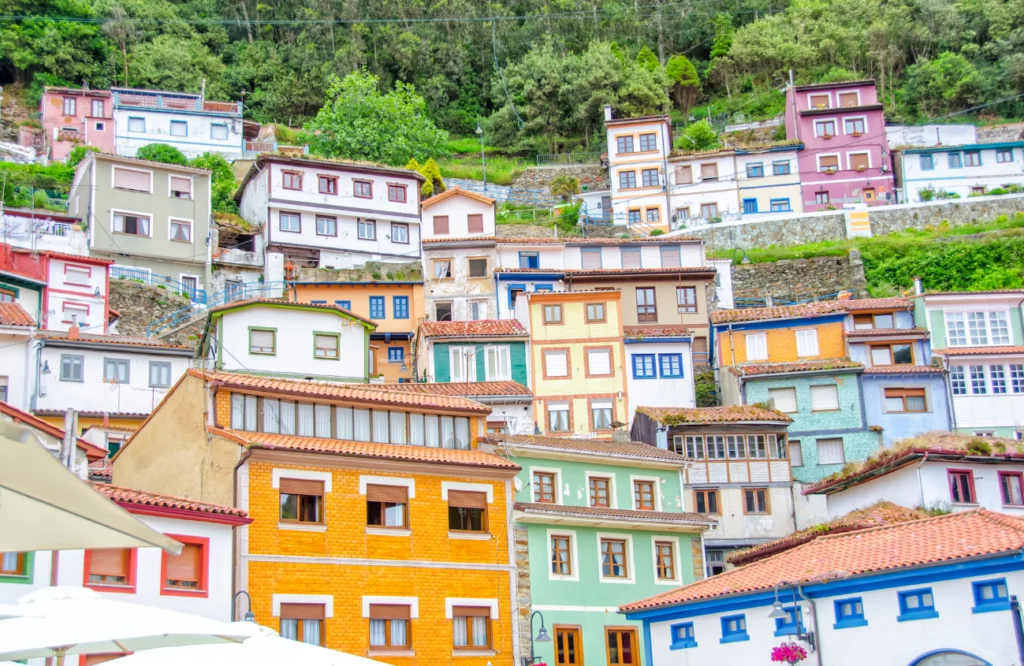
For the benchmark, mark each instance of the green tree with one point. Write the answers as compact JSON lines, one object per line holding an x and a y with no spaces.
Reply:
{"x":685,"y":82}
{"x":646,"y":59}
{"x":940,"y":86}
{"x":357,"y":122}
{"x":698,"y":137}
{"x":565,"y":186}
{"x":78,"y":154}
{"x":222,"y":181}
{"x":161,"y":152}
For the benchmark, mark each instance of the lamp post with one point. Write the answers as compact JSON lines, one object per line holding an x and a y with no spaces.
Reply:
{"x":249,"y":615}
{"x":778,"y":612}
{"x":542,"y":637}
{"x":483,"y":157}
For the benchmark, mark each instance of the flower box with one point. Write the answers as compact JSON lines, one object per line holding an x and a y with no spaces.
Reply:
{"x":826,"y":136}
{"x":856,"y":133}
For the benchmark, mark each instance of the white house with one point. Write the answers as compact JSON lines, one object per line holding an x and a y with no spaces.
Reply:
{"x":945,"y":471}
{"x":704,"y":186}
{"x":186,"y":121}
{"x":459,"y":256}
{"x":77,"y":292}
{"x":972,"y":169}
{"x":769,"y":181}
{"x":331,"y":214}
{"x":296,"y":340}
{"x":16,"y":330}
{"x":637,"y":152}
{"x":929,"y":592}
{"x":661,"y":367}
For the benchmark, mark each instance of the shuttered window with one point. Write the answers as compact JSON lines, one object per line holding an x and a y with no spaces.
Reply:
{"x":127,"y":179}
{"x":471,"y":627}
{"x":824,"y":398}
{"x":709,"y":172}
{"x":859,"y":161}
{"x":476,"y":224}
{"x":440,"y":225}
{"x":631,"y":257}
{"x":591,"y":258}
{"x":599,"y":361}
{"x":556,"y":364}
{"x":784,"y":399}
{"x":181,"y":188}
{"x":184,"y":571}
{"x":387,"y":506}
{"x":830,"y":451}
{"x":110,"y":567}
{"x":467,"y":511}
{"x":828,"y":162}
{"x":261,"y":341}
{"x":670,"y":257}
{"x":684,"y":175}
{"x":302,"y":500}
{"x":389,"y":626}
{"x":303,"y":623}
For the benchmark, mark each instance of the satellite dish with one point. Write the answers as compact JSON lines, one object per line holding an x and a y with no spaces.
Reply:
{"x":517,"y":483}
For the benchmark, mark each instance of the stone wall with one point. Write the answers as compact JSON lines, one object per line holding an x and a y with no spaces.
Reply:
{"x":371,"y":270}
{"x":139,"y":305}
{"x":817,"y":227}
{"x":798,"y":279}
{"x":523,"y":605}
{"x":592,"y":177}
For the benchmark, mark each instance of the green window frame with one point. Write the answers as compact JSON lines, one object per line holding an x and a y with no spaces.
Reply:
{"x":326,"y":350}
{"x":259,"y":349}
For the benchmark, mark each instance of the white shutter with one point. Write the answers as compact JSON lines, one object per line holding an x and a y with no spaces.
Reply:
{"x":381,"y":425}
{"x":344,"y":423}
{"x":556,"y":363}
{"x":599,"y":361}
{"x":179,"y":184}
{"x":398,"y":427}
{"x":430,"y":424}
{"x":881,"y":356}
{"x":323,"y":421}
{"x":757,"y":347}
{"x":670,"y":257}
{"x":306,"y":427}
{"x":497,"y":363}
{"x":261,"y":339}
{"x":631,"y":258}
{"x":361,"y":425}
{"x":447,"y":432}
{"x":796,"y":454}
{"x":132,"y":180}
{"x":824,"y":398}
{"x":251,"y":413}
{"x":417,"y":435}
{"x":785,"y":399}
{"x":271,"y":415}
{"x":461,"y":432}
{"x":830,"y":451}
{"x":807,"y":343}
{"x":591,"y":259}
{"x":237,"y":411}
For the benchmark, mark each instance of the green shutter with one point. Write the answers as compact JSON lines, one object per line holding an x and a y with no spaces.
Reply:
{"x":442,"y":363}
{"x":517,"y":357}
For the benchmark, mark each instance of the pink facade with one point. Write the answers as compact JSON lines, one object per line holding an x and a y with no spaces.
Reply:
{"x":72,"y":116}
{"x":845,"y":159}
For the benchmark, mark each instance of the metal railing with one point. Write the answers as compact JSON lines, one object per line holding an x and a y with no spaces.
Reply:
{"x":141,"y":275}
{"x":231,"y":294}
{"x":546,"y":159}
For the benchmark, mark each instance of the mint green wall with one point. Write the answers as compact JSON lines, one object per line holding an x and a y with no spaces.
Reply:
{"x":575,"y":490}
{"x":517,"y":359}
{"x":937,"y":321}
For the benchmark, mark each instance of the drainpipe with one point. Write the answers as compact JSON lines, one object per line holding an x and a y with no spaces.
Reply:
{"x":668,"y":193}
{"x":817,"y":627}
{"x":237,"y":536}
{"x":920,"y":484}
{"x":949,"y":394}
{"x":34,"y":402}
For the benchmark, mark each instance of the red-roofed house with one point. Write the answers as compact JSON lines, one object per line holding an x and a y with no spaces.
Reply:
{"x":927,"y":592}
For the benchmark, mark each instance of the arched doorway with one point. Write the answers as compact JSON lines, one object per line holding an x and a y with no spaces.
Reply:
{"x":949,"y":658}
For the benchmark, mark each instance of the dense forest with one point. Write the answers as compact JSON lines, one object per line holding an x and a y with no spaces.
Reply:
{"x":535,"y":72}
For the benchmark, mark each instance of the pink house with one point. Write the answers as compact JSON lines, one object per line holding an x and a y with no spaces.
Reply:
{"x":72,"y":116}
{"x":846,"y":156}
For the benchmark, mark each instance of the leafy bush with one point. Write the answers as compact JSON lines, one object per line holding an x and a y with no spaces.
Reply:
{"x":564,"y":186}
{"x":698,"y":137}
{"x":222,"y":182}
{"x":161,"y":152}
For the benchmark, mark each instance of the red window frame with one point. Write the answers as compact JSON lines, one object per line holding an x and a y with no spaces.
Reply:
{"x":356,"y":182}
{"x":1020,"y":479}
{"x":78,"y":267}
{"x":951,"y":474}
{"x":74,"y":304}
{"x":332,"y":181}
{"x":204,"y":572}
{"x":289,"y":172}
{"x":133,"y":568}
{"x":393,"y":189}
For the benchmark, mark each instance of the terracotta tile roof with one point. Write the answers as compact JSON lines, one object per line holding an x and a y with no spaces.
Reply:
{"x":355,"y":392}
{"x":92,"y":451}
{"x":728,"y":414}
{"x":478,"y":328}
{"x":755,"y":369}
{"x":601,"y":447}
{"x":341,"y":447}
{"x":93,"y":414}
{"x":881,"y":332}
{"x":12,"y":314}
{"x":452,"y":191}
{"x":903,"y":370}
{"x":79,"y":258}
{"x":958,"y":446}
{"x":896,"y":303}
{"x":457,"y":239}
{"x":643,"y":332}
{"x":816,"y":309}
{"x":129,"y":497}
{"x":948,"y":538}
{"x":979,"y":351}
{"x":597,"y":513}
{"x":101,"y":470}
{"x":329,"y":307}
{"x":464,"y":389}
{"x":127,"y":340}
{"x":876,"y":515}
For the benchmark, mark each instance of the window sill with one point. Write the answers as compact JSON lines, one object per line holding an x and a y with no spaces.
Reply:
{"x":474,"y":653}
{"x":848,"y":624}
{"x":388,"y":531}
{"x":119,"y":589}
{"x":789,"y":631}
{"x":469,"y":536}
{"x":302,"y":527}
{"x":391,"y":653}
{"x":618,"y":581}
{"x":738,"y":638}
{"x":919,"y":615}
{"x":174,"y":592}
{"x":992,"y":607}
{"x":682,"y":645}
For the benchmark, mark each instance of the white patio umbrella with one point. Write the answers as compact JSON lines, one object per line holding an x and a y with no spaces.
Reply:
{"x":265,"y":648}
{"x":61,"y":621}
{"x":44,"y":506}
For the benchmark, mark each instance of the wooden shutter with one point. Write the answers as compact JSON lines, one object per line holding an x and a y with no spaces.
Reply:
{"x":708,"y":171}
{"x":829,"y":162}
{"x":302,"y":487}
{"x":471,"y":611}
{"x":859,"y":160}
{"x":109,"y":562}
{"x":467,"y":499}
{"x":187,"y":565}
{"x":476,"y":224}
{"x":131,"y":180}
{"x":391,"y":494}
{"x":179,"y":184}
{"x":389,"y":612}
{"x":670,"y":257}
{"x":440,"y":224}
{"x":591,"y":259}
{"x":631,"y":258}
{"x":302,"y":611}
{"x":848,"y":99}
{"x":684,"y":175}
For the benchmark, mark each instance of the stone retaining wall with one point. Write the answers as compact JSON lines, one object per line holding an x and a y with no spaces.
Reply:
{"x":592,"y":177}
{"x":799,"y":279}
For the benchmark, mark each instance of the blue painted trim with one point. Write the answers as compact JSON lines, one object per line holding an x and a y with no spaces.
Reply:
{"x":908,"y":614}
{"x":996,"y":603}
{"x":395,"y":309}
{"x":849,"y":624}
{"x":735,"y":638}
{"x":932,"y":653}
{"x":917,"y":615}
{"x":378,"y":300}
{"x":990,"y":608}
{"x":344,"y":304}
{"x":543,"y":287}
{"x":848,"y":621}
{"x":651,"y":341}
{"x":661,"y":367}
{"x":785,"y":323}
{"x":787,"y":209}
{"x":684,"y":643}
{"x":648,"y":648}
{"x":654,"y":365}
{"x":773,"y":149}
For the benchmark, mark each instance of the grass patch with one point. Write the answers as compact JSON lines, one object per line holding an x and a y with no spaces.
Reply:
{"x":501,"y":170}
{"x":469,"y":145}
{"x":753,"y":105}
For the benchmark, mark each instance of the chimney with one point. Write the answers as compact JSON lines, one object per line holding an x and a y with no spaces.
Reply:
{"x":918,"y":288}
{"x":607,"y":112}
{"x":73,"y":333}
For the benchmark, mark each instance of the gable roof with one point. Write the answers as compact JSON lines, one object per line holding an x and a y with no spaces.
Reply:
{"x":276,"y":303}
{"x":464,"y":389}
{"x":956,"y":536}
{"x":701,"y":415}
{"x":601,"y":447}
{"x":815,"y":309}
{"x":457,"y":191}
{"x":824,"y":365}
{"x":92,"y":452}
{"x":69,"y":338}
{"x":131,"y":498}
{"x":12,"y":314}
{"x":467,"y":329}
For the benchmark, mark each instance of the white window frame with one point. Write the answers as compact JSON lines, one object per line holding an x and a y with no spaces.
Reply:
{"x":136,"y":118}
{"x":544,"y":360}
{"x":835,"y":125}
{"x":838,"y":156}
{"x":68,"y":268}
{"x":567,"y":410}
{"x":372,"y":224}
{"x":574,"y":560}
{"x":841,"y":92}
{"x":801,"y":334}
{"x":113,"y":178}
{"x":179,"y":220}
{"x":790,"y":444}
{"x":506,"y":368}
{"x":613,"y":499}
{"x":173,"y":123}
{"x":227,"y":131}
{"x":79,"y":308}
{"x":746,"y":342}
{"x":676,"y":580}
{"x":557,"y":486}
{"x":990,"y":341}
{"x":191,"y":183}
{"x":632,"y":490}
{"x":118,"y":211}
{"x":849,"y":161}
{"x":630,"y":567}
{"x":819,"y":93}
{"x":863,"y":119}
{"x":466,"y":355}
{"x":605,"y":350}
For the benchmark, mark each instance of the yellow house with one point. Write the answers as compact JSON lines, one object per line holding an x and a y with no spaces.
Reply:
{"x":395,"y":306}
{"x":379,"y":528}
{"x":787,"y":334}
{"x":579,"y":379}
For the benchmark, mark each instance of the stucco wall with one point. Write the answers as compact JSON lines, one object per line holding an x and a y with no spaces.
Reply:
{"x":441,"y":352}
{"x":459,"y":289}
{"x":781,"y":342}
{"x":658,"y":391}
{"x":899,"y":425}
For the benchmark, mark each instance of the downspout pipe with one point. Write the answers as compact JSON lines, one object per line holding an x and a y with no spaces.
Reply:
{"x":817,"y":627}
{"x":236,"y":537}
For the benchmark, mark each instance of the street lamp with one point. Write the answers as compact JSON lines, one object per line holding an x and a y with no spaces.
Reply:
{"x":483,"y":158}
{"x":249,"y":615}
{"x":778,"y":612}
{"x":542,"y":637}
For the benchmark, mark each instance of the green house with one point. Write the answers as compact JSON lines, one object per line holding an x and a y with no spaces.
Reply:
{"x":485,"y":350}
{"x":598,"y":523}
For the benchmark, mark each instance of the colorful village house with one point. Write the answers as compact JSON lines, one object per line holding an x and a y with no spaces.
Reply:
{"x":396,"y":307}
{"x":577,"y":361}
{"x":966,"y":170}
{"x":638,"y":149}
{"x":980,"y":338}
{"x":739,"y":474}
{"x":283,"y":339}
{"x":486,"y":361}
{"x":459,"y":256}
{"x":17,"y":328}
{"x":597,"y":521}
{"x":925,"y":592}
{"x":76,"y":116}
{"x":795,"y":358}
{"x":379,"y":528}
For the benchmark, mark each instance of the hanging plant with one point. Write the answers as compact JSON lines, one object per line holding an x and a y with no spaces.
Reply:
{"x":788,"y":653}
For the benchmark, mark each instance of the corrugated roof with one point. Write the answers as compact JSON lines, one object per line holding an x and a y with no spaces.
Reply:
{"x":728,"y":414}
{"x":477,"y":328}
{"x":602,"y":447}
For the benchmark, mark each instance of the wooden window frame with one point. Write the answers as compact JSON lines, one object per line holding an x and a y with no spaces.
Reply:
{"x":388,"y":645}
{"x":634,"y":640}
{"x":568,"y":364}
{"x":950,"y":473}
{"x":321,"y":178}
{"x":767,"y":502}
{"x":321,"y":504}
{"x":469,"y":635}
{"x":604,"y":313}
{"x":892,"y":352}
{"x":1002,"y":495}
{"x":561,"y":314}
{"x":638,"y":495}
{"x":538,"y":497}
{"x":405,"y":512}
{"x":203,"y":590}
{"x":469,"y":268}
{"x":441,"y":260}
{"x":645,"y":317}
{"x":555,"y":557}
{"x":392,"y":187}
{"x":262,"y":329}
{"x":592,"y":491}
{"x":21,"y":569}
{"x":586,"y":361}
{"x":685,"y":309}
{"x":131,"y":574}
{"x":484,"y":522}
{"x":357,"y":183}
{"x":625,"y":558}
{"x":903,"y":394}
{"x":299,"y":632}
{"x":706,"y":493}
{"x":547,"y":419}
{"x":284,"y":179}
{"x":673,"y":561}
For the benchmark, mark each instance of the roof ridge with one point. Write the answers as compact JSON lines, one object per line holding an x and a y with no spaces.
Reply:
{"x":178,"y":498}
{"x":957,"y":514}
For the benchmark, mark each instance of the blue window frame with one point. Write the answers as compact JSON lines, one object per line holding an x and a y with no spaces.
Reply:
{"x":990,"y":595}
{"x":682,"y":636}
{"x":671,"y":365}
{"x":543,"y":287}
{"x":780,"y":206}
{"x":377,"y":307}
{"x":643,"y":366}
{"x":318,"y":302}
{"x":529,"y":260}
{"x":396,"y":354}
{"x":849,"y":613}
{"x":513,"y":291}
{"x":790,"y":625}
{"x":955,"y":162}
{"x":750,"y":205}
{"x":400,"y":307}
{"x":781,"y":168}
{"x":917,"y":604}
{"x":755,"y":170}
{"x":734,"y":628}
{"x":344,"y":304}
{"x":927,"y":163}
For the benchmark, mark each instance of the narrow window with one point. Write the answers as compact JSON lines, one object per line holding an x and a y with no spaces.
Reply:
{"x":613,"y":558}
{"x":387,"y":506}
{"x":302,"y":501}
{"x":544,"y":487}
{"x":961,"y":486}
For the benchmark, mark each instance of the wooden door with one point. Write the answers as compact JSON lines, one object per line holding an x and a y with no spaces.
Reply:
{"x":568,"y":646}
{"x":622,"y":646}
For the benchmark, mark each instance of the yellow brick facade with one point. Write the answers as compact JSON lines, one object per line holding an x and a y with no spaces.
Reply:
{"x":370,"y":564}
{"x":781,"y":344}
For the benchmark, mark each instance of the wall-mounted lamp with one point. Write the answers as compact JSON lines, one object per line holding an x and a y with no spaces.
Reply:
{"x":46,"y":368}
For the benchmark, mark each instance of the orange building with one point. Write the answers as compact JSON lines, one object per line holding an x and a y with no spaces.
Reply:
{"x":379,"y":528}
{"x":396,"y":308}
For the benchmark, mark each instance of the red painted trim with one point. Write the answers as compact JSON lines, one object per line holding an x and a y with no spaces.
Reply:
{"x":64,"y":305}
{"x":133,"y":568}
{"x":970,"y":482}
{"x":204,"y":574}
{"x":88,"y":294}
{"x":1020,"y":478}
{"x":68,"y":264}
{"x":183,"y":514}
{"x":106,"y":303}
{"x":109,"y":656}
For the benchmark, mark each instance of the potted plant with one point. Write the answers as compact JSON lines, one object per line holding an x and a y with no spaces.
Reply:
{"x":861,"y":168}
{"x":826,"y":136}
{"x":788,"y":653}
{"x":830,"y":170}
{"x":856,"y":133}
